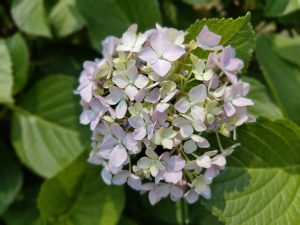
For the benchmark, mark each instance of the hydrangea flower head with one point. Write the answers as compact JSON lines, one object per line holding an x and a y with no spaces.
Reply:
{"x":151,"y":104}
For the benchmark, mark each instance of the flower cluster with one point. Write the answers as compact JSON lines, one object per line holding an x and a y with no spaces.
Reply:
{"x":151,"y":103}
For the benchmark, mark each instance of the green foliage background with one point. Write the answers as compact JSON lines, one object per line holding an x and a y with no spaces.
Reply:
{"x":44,"y":177}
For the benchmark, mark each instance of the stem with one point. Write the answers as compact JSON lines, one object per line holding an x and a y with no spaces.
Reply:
{"x":219,"y":142}
{"x":184,"y":212}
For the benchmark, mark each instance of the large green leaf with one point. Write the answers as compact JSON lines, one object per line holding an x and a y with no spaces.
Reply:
{"x":276,"y":8}
{"x":30,"y":16}
{"x":10,"y":178}
{"x":24,"y":210}
{"x":235,"y":32}
{"x":65,"y":18}
{"x":45,"y":128}
{"x":288,"y":49}
{"x":112,"y":17}
{"x":77,"y":196}
{"x":261,"y":183}
{"x":20,"y":61}
{"x":6,"y":77}
{"x":263,"y":106}
{"x":282,"y":77}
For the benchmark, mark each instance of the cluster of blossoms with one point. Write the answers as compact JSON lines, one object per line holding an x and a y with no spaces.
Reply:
{"x":151,"y":103}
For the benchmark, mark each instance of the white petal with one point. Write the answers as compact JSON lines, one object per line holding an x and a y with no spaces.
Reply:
{"x":118,"y":156}
{"x":158,"y":42}
{"x":139,"y":133}
{"x":118,"y":131}
{"x":136,"y":121}
{"x":191,"y":196}
{"x":86,"y":93}
{"x":167,"y":143}
{"x":186,"y":131}
{"x":242,"y":102}
{"x":86,"y":117}
{"x":229,"y":109}
{"x":199,"y":125}
{"x":173,"y":52}
{"x":106,"y":176}
{"x":120,"y":178}
{"x":204,"y":161}
{"x":198,"y":94}
{"x":179,"y":122}
{"x":121,"y":109}
{"x":182,"y":105}
{"x":131,"y":91}
{"x":161,"y":67}
{"x":120,"y":80}
{"x":134,"y":182}
{"x":219,"y":160}
{"x":189,"y":146}
{"x":141,"y":81}
{"x":147,"y":54}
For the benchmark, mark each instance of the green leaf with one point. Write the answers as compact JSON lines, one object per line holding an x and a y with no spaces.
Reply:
{"x":281,"y":7}
{"x":288,"y":49}
{"x":261,"y":183}
{"x":192,"y":2}
{"x":45,"y":128}
{"x":235,"y":32}
{"x":282,"y":78}
{"x":24,"y":210}
{"x":10,"y":176}
{"x":112,"y":17}
{"x":65,"y":18}
{"x":125,"y":221}
{"x":20,"y":61}
{"x":6,"y":77}
{"x":263,"y":107}
{"x":77,"y":196}
{"x":30,"y":17}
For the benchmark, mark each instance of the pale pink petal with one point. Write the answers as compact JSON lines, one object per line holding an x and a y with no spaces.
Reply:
{"x":148,"y":55}
{"x":106,"y":176}
{"x":86,"y":93}
{"x":189,"y":146}
{"x":186,"y":130}
{"x":139,"y":133}
{"x":219,"y":160}
{"x":191,"y":196}
{"x":173,"y":52}
{"x":134,"y":182}
{"x":118,"y":131}
{"x":198,"y":94}
{"x":161,"y":67}
{"x":121,"y":109}
{"x":242,"y":102}
{"x":229,"y":109}
{"x":136,"y":121}
{"x":131,"y":91}
{"x":175,"y":163}
{"x":118,"y":156}
{"x":183,"y":105}
{"x":158,"y":42}
{"x":199,"y":125}
{"x":207,"y":39}
{"x":130,"y":142}
{"x":120,"y":80}
{"x":141,"y":81}
{"x":173,"y":177}
{"x":153,"y":96}
{"x":204,"y":161}
{"x":86,"y":117}
{"x":120,"y":178}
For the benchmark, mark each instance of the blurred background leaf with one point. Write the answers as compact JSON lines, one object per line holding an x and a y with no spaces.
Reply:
{"x":10,"y":175}
{"x":75,"y":197}
{"x":30,"y":16}
{"x":45,"y":129}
